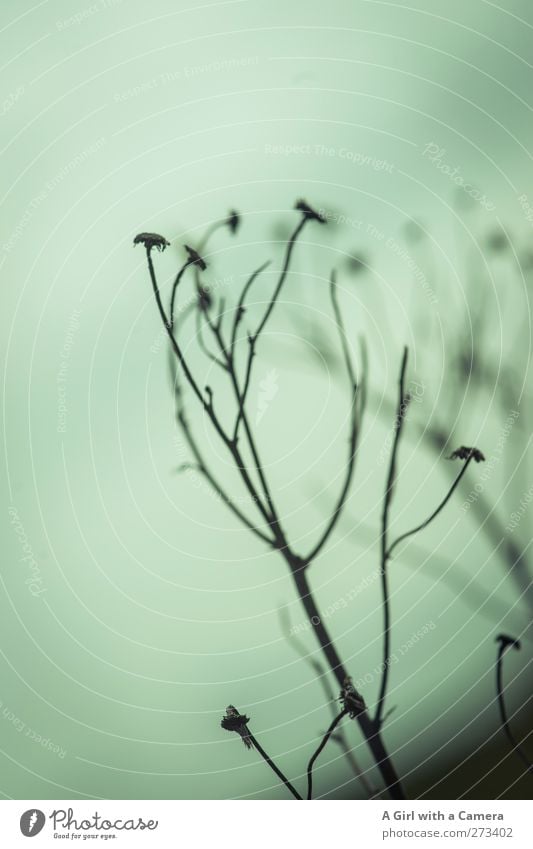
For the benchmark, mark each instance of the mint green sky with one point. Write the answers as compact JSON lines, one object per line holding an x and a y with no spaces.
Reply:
{"x":148,"y":608}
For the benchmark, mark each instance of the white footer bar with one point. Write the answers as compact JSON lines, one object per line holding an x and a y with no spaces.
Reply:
{"x":266,"y":825}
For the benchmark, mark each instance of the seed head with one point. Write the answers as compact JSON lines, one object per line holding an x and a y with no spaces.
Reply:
{"x":195,"y":258}
{"x":151,"y":240}
{"x":233,"y":221}
{"x":308,"y":212}
{"x":506,"y":641}
{"x":464,"y":453}
{"x":351,"y":700}
{"x":238,"y":722}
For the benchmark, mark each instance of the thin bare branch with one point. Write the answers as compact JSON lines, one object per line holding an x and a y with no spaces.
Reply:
{"x":321,"y":747}
{"x":358,"y":396}
{"x":240,"y":310}
{"x":237,"y":722}
{"x":201,"y":465}
{"x":288,"y":254}
{"x":321,"y":674}
{"x":403,"y":401}
{"x":201,"y":343}
{"x":435,"y":513}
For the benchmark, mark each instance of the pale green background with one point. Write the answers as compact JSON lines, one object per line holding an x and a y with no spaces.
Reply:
{"x":158,"y":608}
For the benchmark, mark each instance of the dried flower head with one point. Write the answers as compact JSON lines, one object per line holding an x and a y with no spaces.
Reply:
{"x":151,"y":240}
{"x":309,"y":212}
{"x":507,"y":642}
{"x":195,"y":258}
{"x":351,"y":700}
{"x":238,"y":722}
{"x":233,"y":221}
{"x":464,"y":453}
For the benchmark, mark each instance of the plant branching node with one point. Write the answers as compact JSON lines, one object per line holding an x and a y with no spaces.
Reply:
{"x":351,"y":700}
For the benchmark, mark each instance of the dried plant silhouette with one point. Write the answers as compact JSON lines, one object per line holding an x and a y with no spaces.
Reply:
{"x":220,"y":339}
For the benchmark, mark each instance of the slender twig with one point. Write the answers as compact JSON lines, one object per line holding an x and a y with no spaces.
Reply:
{"x":240,"y":310}
{"x":177,"y":349}
{"x":175,"y":285}
{"x":235,"y":721}
{"x":435,"y":513}
{"x":272,"y":302}
{"x":273,"y":767}
{"x":506,"y":642}
{"x":321,"y":675}
{"x":240,"y":395}
{"x":403,"y":401}
{"x":322,"y":745}
{"x":201,"y":464}
{"x":368,"y":727}
{"x":217,"y":225}
{"x":207,"y":405}
{"x":358,"y":394}
{"x":489,"y":522}
{"x":201,"y":343}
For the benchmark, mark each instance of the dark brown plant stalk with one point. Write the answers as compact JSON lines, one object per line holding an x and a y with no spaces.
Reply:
{"x":236,"y":721}
{"x":403,"y":401}
{"x":463,"y":453}
{"x":339,"y":737}
{"x":506,"y":642}
{"x":270,"y":528}
{"x":321,"y":747}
